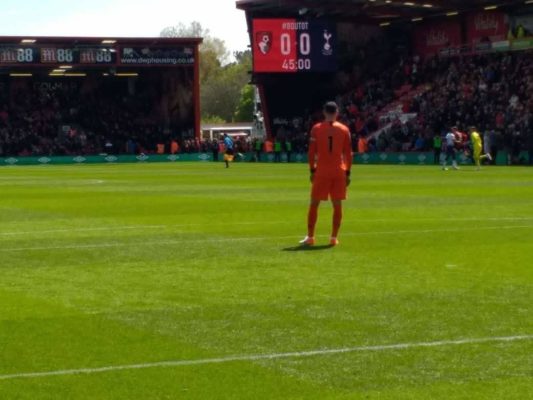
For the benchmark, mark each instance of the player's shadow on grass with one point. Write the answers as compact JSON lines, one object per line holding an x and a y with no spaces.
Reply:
{"x":309,"y":248}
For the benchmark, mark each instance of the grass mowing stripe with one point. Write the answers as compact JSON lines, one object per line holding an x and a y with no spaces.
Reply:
{"x":214,"y":298}
{"x":251,"y":239}
{"x":101,"y":229}
{"x":211,"y":224}
{"x":259,"y":357}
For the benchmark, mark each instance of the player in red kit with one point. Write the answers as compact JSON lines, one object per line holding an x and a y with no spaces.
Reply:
{"x":330,"y":162}
{"x":461,"y":139}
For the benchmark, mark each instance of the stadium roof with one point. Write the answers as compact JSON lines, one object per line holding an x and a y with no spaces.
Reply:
{"x":373,"y":10}
{"x":153,"y":41}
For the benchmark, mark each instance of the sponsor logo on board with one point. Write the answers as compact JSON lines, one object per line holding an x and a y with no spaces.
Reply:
{"x":11,"y":161}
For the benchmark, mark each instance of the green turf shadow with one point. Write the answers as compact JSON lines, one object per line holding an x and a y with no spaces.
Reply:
{"x":309,"y":248}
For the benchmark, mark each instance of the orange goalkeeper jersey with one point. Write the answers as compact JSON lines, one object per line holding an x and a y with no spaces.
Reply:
{"x":330,"y":149}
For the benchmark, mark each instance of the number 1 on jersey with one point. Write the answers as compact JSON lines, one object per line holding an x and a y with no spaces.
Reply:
{"x":330,"y":138}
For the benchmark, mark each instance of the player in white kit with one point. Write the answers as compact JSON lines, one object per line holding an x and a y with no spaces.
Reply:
{"x":451,"y":151}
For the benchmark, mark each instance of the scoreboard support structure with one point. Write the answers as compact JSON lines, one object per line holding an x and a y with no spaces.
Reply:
{"x":196,"y":95}
{"x":63,"y":57}
{"x":287,"y":49}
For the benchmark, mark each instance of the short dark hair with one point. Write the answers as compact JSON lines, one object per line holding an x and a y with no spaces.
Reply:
{"x":331,"y":107}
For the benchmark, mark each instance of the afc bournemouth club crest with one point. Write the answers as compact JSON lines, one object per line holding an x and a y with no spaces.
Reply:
{"x":263,"y":42}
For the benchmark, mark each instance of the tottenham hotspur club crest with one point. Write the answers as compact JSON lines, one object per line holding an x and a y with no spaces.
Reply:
{"x":264,"y":42}
{"x":328,"y":48}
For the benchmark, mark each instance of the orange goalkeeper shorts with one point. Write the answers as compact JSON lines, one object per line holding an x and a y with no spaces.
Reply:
{"x":325,"y":188}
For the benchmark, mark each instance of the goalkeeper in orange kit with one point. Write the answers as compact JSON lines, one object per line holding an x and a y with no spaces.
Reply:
{"x":330,"y":162}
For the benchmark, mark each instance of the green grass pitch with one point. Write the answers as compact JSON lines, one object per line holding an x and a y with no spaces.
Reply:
{"x":135,"y":265}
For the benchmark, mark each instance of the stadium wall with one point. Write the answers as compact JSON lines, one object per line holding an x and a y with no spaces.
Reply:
{"x":368,"y":159}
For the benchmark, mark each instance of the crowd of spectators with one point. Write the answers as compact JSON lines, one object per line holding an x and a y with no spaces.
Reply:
{"x":493,"y":92}
{"x":490,"y":91}
{"x":242,"y":144}
{"x":360,"y":108}
{"x":62,"y":118}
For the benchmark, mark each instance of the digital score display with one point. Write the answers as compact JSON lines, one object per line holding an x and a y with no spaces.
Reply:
{"x":54,"y":55}
{"x":291,"y":45}
{"x":15,"y":55}
{"x":46,"y":55}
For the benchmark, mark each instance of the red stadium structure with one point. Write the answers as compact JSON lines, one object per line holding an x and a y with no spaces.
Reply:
{"x":131,"y":89}
{"x":309,"y":51}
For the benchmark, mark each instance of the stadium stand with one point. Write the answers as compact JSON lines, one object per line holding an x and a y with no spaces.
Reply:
{"x":51,"y":119}
{"x":46,"y":118}
{"x":405,"y":72}
{"x":490,"y":91}
{"x":63,"y":96}
{"x":57,"y":119}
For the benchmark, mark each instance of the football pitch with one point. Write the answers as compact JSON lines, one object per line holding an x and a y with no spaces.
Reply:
{"x":185,"y":281}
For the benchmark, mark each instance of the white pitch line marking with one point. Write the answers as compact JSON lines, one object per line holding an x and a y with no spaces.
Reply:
{"x":135,"y":227}
{"x":138,"y":227}
{"x":100,"y":229}
{"x":259,"y":357}
{"x":141,"y":227}
{"x":251,"y":239}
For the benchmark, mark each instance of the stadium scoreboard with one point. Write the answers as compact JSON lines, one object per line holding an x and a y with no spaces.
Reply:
{"x":55,"y":55}
{"x":43,"y":55}
{"x":292,"y":46}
